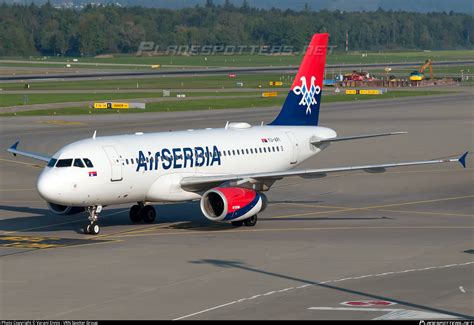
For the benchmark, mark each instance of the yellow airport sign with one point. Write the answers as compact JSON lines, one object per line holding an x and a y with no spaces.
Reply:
{"x":269,"y":94}
{"x":364,"y":91}
{"x":370,"y":92}
{"x":100,"y":105}
{"x":120,"y":105}
{"x":275,"y":83}
{"x":110,"y":105}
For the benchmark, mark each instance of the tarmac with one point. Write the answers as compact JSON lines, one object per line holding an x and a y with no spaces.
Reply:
{"x":88,"y":74}
{"x":394,"y":245}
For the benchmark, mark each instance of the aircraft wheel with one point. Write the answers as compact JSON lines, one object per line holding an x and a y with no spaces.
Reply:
{"x":94,"y":228}
{"x":87,"y":229}
{"x":148,"y":214}
{"x":135,"y":214}
{"x":237,"y":223}
{"x":251,"y":222}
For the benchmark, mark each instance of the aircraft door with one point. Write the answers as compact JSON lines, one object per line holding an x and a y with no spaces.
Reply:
{"x":115,"y":164}
{"x":294,"y":147}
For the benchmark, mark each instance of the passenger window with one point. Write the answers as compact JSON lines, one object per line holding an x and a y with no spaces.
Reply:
{"x":260,"y":149}
{"x":87,"y":162}
{"x":78,"y":163}
{"x":64,"y":163}
{"x":247,"y":151}
{"x":52,"y":162}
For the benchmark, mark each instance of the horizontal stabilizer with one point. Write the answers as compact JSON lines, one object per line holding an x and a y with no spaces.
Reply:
{"x":356,"y":137}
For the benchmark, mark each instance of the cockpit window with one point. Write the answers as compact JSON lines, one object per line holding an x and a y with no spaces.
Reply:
{"x":64,"y":163}
{"x":52,"y":162}
{"x":78,"y":163}
{"x":88,"y":162}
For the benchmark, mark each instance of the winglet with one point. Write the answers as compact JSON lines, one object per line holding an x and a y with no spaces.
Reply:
{"x":12,"y":149}
{"x":15,"y":145}
{"x":462,"y":159}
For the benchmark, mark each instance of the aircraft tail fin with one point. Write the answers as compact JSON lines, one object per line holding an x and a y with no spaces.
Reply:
{"x":301,"y":106}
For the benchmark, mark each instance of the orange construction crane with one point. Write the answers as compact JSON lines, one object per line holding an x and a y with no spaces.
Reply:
{"x":428,"y":63}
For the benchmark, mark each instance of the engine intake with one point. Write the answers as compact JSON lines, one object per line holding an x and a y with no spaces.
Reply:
{"x":63,"y":210}
{"x":232,"y":203}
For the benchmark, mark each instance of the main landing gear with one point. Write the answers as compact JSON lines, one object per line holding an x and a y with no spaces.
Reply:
{"x":249,"y":222}
{"x":141,"y":212}
{"x":92,"y":228}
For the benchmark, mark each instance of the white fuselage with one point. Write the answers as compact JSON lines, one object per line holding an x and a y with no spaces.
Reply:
{"x":148,"y":167}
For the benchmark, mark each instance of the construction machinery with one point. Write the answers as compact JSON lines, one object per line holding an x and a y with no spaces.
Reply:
{"x":419,"y":75}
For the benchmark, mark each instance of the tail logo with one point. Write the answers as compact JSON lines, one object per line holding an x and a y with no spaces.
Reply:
{"x":308,"y":94}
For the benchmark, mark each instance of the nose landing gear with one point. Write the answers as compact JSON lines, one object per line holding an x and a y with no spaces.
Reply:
{"x":93,"y":228}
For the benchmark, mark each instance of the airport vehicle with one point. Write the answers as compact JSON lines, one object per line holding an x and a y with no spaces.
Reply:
{"x":419,"y":75}
{"x":227,"y":169}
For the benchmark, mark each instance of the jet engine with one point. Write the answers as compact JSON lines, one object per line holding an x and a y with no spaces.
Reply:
{"x":63,"y":210}
{"x":232,"y":204}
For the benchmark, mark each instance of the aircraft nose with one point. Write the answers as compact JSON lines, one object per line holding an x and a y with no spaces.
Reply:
{"x":49,"y":187}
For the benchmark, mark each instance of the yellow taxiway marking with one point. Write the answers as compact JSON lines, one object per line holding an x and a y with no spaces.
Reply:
{"x":388,"y":172}
{"x":20,"y":201}
{"x":426,"y":171}
{"x":59,"y":224}
{"x":133,"y":231}
{"x":372,"y":207}
{"x":312,"y":206}
{"x":244,"y":231}
{"x":428,"y":213}
{"x":18,"y":189}
{"x":61,"y":122}
{"x":46,"y":242}
{"x":21,"y":163}
{"x":420,"y":202}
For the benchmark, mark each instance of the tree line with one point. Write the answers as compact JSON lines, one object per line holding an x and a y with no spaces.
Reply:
{"x":45,"y":30}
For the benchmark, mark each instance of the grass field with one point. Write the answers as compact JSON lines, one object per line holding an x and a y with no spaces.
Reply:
{"x":243,"y":60}
{"x":18,"y":99}
{"x":207,"y":104}
{"x":164,"y":82}
{"x":211,"y":82}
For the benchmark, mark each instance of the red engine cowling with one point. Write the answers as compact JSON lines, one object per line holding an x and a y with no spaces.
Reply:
{"x":232,"y":203}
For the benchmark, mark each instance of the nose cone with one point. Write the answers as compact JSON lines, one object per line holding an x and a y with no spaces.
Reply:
{"x":49,"y":187}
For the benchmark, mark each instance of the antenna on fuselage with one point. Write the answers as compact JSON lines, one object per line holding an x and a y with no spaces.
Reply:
{"x":227,"y":125}
{"x":95,"y":133}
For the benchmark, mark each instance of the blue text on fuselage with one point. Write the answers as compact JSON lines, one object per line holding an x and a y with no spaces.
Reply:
{"x":179,"y":158}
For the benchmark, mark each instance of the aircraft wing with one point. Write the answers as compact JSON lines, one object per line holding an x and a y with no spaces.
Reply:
{"x":13,"y":149}
{"x":197,"y":183}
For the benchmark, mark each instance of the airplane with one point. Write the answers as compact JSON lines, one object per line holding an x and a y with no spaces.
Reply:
{"x":227,"y":169}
